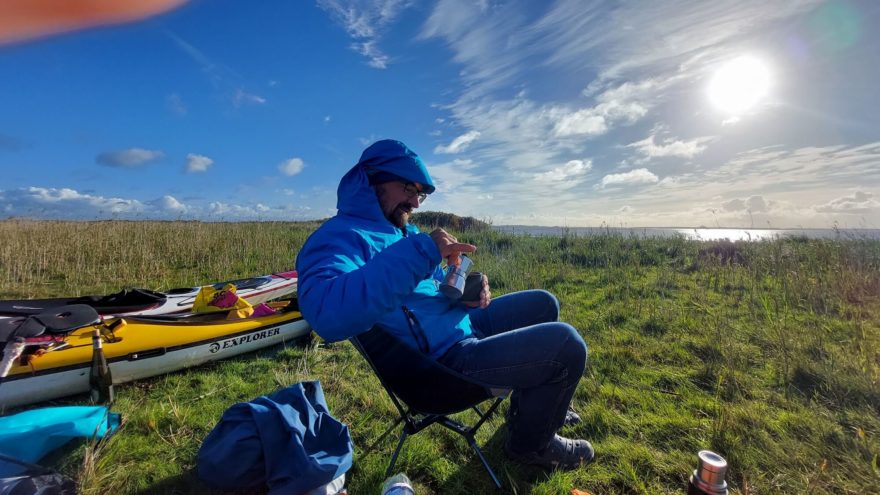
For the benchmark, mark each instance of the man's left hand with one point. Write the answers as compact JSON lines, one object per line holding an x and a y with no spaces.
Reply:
{"x":485,"y":296}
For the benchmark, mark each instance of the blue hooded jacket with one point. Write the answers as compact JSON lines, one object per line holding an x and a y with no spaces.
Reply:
{"x":358,"y":269}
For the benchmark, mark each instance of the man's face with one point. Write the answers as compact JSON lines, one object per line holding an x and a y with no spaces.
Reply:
{"x":397,"y":200}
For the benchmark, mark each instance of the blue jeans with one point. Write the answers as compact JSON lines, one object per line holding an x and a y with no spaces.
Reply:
{"x":519,"y":345}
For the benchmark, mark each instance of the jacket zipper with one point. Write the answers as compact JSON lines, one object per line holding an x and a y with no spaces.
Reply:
{"x":419,"y":335}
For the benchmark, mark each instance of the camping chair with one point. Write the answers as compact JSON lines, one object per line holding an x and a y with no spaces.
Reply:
{"x":424,"y":391}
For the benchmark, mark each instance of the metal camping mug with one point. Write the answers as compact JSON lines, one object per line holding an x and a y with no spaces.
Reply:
{"x":708,"y":478}
{"x":453,"y":285}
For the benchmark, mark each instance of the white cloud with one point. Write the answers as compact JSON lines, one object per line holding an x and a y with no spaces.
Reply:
{"x":771,"y":187}
{"x":757,"y":204}
{"x":636,"y":71}
{"x":582,"y":122}
{"x":66,"y":203}
{"x":463,"y":164}
{"x":488,"y":41}
{"x":365,"y":22}
{"x":573,"y":170}
{"x":129,"y":158}
{"x":623,"y":104}
{"x":242,"y":97}
{"x":197,"y":163}
{"x":669,"y":147}
{"x":673,"y":181}
{"x":734,"y":205}
{"x":228,"y":211}
{"x":637,"y":176}
{"x":458,"y":144}
{"x":217,"y":210}
{"x":802,"y":168}
{"x":860,"y":202}
{"x":458,"y":186}
{"x":754,"y":204}
{"x":628,"y":37}
{"x":291,"y":167}
{"x":169,"y":204}
{"x":70,"y":204}
{"x":370,"y":49}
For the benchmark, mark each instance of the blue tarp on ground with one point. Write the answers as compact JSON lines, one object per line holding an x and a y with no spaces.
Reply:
{"x":287,"y":441}
{"x":30,"y":435}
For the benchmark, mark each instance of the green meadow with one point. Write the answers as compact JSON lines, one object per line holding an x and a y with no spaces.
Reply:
{"x":766,"y":352}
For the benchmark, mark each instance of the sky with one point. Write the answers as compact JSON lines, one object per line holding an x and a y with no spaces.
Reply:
{"x":578,"y":113}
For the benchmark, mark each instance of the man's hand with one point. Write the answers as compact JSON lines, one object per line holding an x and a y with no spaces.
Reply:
{"x":485,"y":296}
{"x":450,"y":248}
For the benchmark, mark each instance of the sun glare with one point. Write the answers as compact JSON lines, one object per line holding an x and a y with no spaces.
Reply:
{"x":739,"y":85}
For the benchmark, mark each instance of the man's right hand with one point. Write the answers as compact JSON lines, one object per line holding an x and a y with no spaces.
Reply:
{"x":450,"y":248}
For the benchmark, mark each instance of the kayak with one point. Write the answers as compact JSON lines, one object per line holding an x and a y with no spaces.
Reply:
{"x":141,"y":347}
{"x":131,"y":302}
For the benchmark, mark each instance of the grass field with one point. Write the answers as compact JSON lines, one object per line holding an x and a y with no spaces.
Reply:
{"x":766,"y":352}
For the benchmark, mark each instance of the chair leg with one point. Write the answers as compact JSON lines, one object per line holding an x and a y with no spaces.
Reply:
{"x":486,"y":416}
{"x":485,"y":462}
{"x":403,"y":436}
{"x":382,"y":436}
{"x":468,"y":434}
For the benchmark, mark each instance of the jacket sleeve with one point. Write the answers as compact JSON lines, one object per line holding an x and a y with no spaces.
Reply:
{"x":342,"y":295}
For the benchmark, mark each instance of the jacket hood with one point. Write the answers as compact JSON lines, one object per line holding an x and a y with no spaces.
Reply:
{"x":355,"y":196}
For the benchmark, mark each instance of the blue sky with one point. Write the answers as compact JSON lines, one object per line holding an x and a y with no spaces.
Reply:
{"x":569,"y":112}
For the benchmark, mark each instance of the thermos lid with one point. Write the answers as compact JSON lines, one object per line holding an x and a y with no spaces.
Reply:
{"x":709,"y":475}
{"x":711,"y":462}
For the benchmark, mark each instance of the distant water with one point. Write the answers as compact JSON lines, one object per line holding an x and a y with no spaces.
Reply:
{"x":704,"y":234}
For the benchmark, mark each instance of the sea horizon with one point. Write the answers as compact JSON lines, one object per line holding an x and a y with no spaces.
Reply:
{"x":697,"y":233}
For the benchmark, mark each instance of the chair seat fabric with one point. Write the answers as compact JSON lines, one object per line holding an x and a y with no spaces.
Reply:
{"x":422,"y":383}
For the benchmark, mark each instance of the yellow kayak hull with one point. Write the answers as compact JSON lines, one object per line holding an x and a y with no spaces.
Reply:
{"x":145,"y":347}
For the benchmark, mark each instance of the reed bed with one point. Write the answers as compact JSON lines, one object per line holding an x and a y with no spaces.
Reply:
{"x":44,"y":258}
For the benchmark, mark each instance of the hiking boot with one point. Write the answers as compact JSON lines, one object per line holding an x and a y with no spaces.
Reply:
{"x":571,"y":418}
{"x":562,"y":453}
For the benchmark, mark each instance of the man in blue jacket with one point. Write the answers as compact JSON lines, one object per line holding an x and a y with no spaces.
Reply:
{"x":368,"y":265}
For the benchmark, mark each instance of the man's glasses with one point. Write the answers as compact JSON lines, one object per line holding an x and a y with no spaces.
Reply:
{"x":410,"y":189}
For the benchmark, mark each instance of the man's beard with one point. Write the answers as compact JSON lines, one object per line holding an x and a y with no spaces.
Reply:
{"x":400,"y":216}
{"x":401,"y":213}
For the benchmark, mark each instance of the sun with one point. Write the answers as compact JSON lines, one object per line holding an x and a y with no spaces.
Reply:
{"x":739,"y":85}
